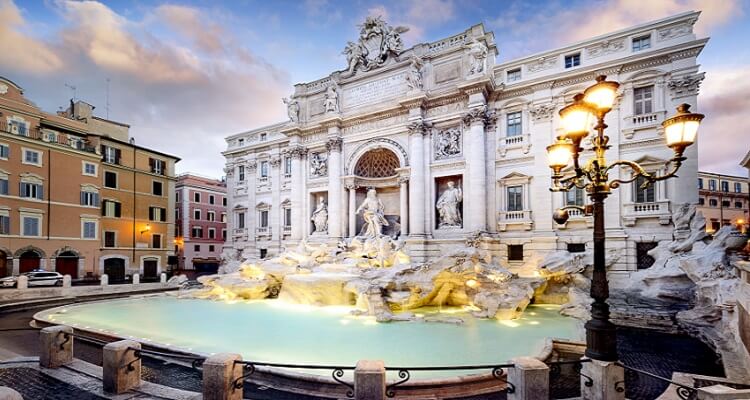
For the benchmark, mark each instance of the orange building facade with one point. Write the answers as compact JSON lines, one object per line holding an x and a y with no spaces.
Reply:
{"x":58,"y":198}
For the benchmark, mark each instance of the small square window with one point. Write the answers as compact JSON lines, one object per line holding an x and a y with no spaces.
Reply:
{"x":642,"y":43}
{"x":110,"y":239}
{"x":32,"y":157}
{"x":89,"y":169}
{"x":157,"y":188}
{"x":31,"y":226}
{"x":211,"y":199}
{"x":197,"y":247}
{"x":573,"y":60}
{"x":514,"y":75}
{"x":211,"y":248}
{"x":515,"y":252}
{"x":197,"y":197}
{"x":89,"y":230}
{"x":4,"y":151}
{"x":110,"y":179}
{"x":576,"y":247}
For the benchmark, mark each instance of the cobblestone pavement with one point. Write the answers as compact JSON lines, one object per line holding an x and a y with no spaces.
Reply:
{"x":655,"y":352}
{"x":32,"y":385}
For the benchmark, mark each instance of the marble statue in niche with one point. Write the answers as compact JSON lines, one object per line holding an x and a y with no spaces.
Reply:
{"x":448,"y":143}
{"x":320,"y":216}
{"x":318,"y":165}
{"x":414,"y":76}
{"x":292,"y":108}
{"x":331,"y":102}
{"x":447,"y":205}
{"x":477,"y":57}
{"x":373,"y":212}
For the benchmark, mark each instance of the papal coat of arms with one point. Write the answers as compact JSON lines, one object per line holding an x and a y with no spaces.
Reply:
{"x":377,"y":42}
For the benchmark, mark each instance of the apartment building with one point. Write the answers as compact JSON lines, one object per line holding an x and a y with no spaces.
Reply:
{"x":723,"y":200}
{"x":77,"y":195}
{"x":200,"y":228}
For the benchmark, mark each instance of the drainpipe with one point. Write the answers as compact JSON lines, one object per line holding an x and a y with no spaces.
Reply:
{"x":49,"y":190}
{"x":132,"y":142}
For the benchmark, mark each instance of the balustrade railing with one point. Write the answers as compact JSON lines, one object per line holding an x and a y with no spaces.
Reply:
{"x":53,"y":137}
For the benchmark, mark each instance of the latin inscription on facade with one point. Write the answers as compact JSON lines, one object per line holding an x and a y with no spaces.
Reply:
{"x":375,"y":91}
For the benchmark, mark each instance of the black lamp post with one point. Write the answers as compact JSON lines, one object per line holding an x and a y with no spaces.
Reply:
{"x":588,"y":108}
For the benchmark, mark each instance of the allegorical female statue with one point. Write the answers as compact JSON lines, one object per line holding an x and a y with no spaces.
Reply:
{"x":320,"y":217}
{"x":447,"y":206}
{"x":373,"y":212}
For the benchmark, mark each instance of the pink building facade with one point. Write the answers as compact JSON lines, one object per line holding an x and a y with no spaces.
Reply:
{"x":200,"y":215}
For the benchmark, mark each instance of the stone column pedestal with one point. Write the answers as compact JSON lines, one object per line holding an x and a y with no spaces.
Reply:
{"x":136,"y":279}
{"x":104,"y":280}
{"x":530,"y":378}
{"x":604,"y":375}
{"x":56,"y":346}
{"x":220,"y":371}
{"x":369,"y":380}
{"x":121,"y":369}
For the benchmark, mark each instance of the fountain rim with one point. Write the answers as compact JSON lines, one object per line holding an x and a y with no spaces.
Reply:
{"x":39,"y":322}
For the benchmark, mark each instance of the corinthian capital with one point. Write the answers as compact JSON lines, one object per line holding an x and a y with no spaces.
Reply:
{"x":419,"y":127}
{"x":252,"y":165}
{"x":479,"y":114}
{"x":334,"y":144}
{"x":297,"y":151}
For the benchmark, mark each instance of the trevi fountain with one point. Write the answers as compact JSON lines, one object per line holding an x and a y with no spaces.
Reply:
{"x":365,"y":298}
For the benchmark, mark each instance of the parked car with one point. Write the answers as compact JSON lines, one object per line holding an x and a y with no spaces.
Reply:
{"x":36,"y":278}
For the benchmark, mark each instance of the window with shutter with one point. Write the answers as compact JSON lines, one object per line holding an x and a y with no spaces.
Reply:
{"x":3,"y":186}
{"x":163,"y":215}
{"x":4,"y":225}
{"x":118,"y":209}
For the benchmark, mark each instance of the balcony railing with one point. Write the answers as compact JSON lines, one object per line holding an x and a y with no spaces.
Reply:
{"x":654,"y":209}
{"x":506,"y":218}
{"x":647,"y":120}
{"x":54,"y":137}
{"x":287,"y":230}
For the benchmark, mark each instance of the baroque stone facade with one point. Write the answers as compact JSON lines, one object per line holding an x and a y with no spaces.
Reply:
{"x":442,"y":117}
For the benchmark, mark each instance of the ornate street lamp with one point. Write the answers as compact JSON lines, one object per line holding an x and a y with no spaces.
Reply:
{"x":587,"y":108}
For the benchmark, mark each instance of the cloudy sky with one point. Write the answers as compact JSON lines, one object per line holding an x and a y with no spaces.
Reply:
{"x":186,"y":74}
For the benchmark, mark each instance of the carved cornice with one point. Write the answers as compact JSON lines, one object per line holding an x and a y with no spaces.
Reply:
{"x":334,"y":144}
{"x":523,"y":91}
{"x":687,"y":85}
{"x":416,"y":102}
{"x":521,"y":160}
{"x":543,"y":111}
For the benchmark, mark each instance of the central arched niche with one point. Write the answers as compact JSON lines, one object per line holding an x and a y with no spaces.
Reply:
{"x":377,"y":163}
{"x":377,"y":168}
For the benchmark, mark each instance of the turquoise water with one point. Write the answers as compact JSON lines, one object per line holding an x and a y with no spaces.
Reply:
{"x":273,"y":331}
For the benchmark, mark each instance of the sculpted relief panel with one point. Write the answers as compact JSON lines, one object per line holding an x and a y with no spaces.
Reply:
{"x":448,"y":143}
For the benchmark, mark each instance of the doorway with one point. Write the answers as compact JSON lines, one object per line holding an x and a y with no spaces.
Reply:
{"x":67,"y":264}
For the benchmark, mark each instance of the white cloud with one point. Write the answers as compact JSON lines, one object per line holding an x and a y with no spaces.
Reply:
{"x":725,"y":103}
{"x":180,"y":97}
{"x":20,"y":51}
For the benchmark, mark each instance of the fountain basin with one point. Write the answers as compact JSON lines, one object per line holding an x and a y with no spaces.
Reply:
{"x":279,"y":332}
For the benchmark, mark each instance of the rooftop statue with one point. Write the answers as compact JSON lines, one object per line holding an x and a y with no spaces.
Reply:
{"x":377,"y":41}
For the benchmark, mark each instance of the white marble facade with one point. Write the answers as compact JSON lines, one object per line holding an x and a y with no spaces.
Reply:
{"x":408,"y":121}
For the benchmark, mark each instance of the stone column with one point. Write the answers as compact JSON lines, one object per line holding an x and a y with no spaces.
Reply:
{"x":475,"y":183}
{"x":530,"y":377}
{"x":417,"y":189}
{"x":274,"y":215}
{"x":352,"y":209}
{"x":369,"y":380}
{"x":334,"y":187}
{"x":251,"y":220}
{"x":299,"y":221}
{"x":404,"y":204}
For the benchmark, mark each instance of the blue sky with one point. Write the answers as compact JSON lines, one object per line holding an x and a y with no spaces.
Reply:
{"x":185,"y":74}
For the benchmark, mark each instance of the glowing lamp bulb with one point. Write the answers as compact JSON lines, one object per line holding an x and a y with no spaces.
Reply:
{"x":559,"y":155}
{"x":602,"y":94}
{"x":576,"y":119}
{"x":681,"y":130}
